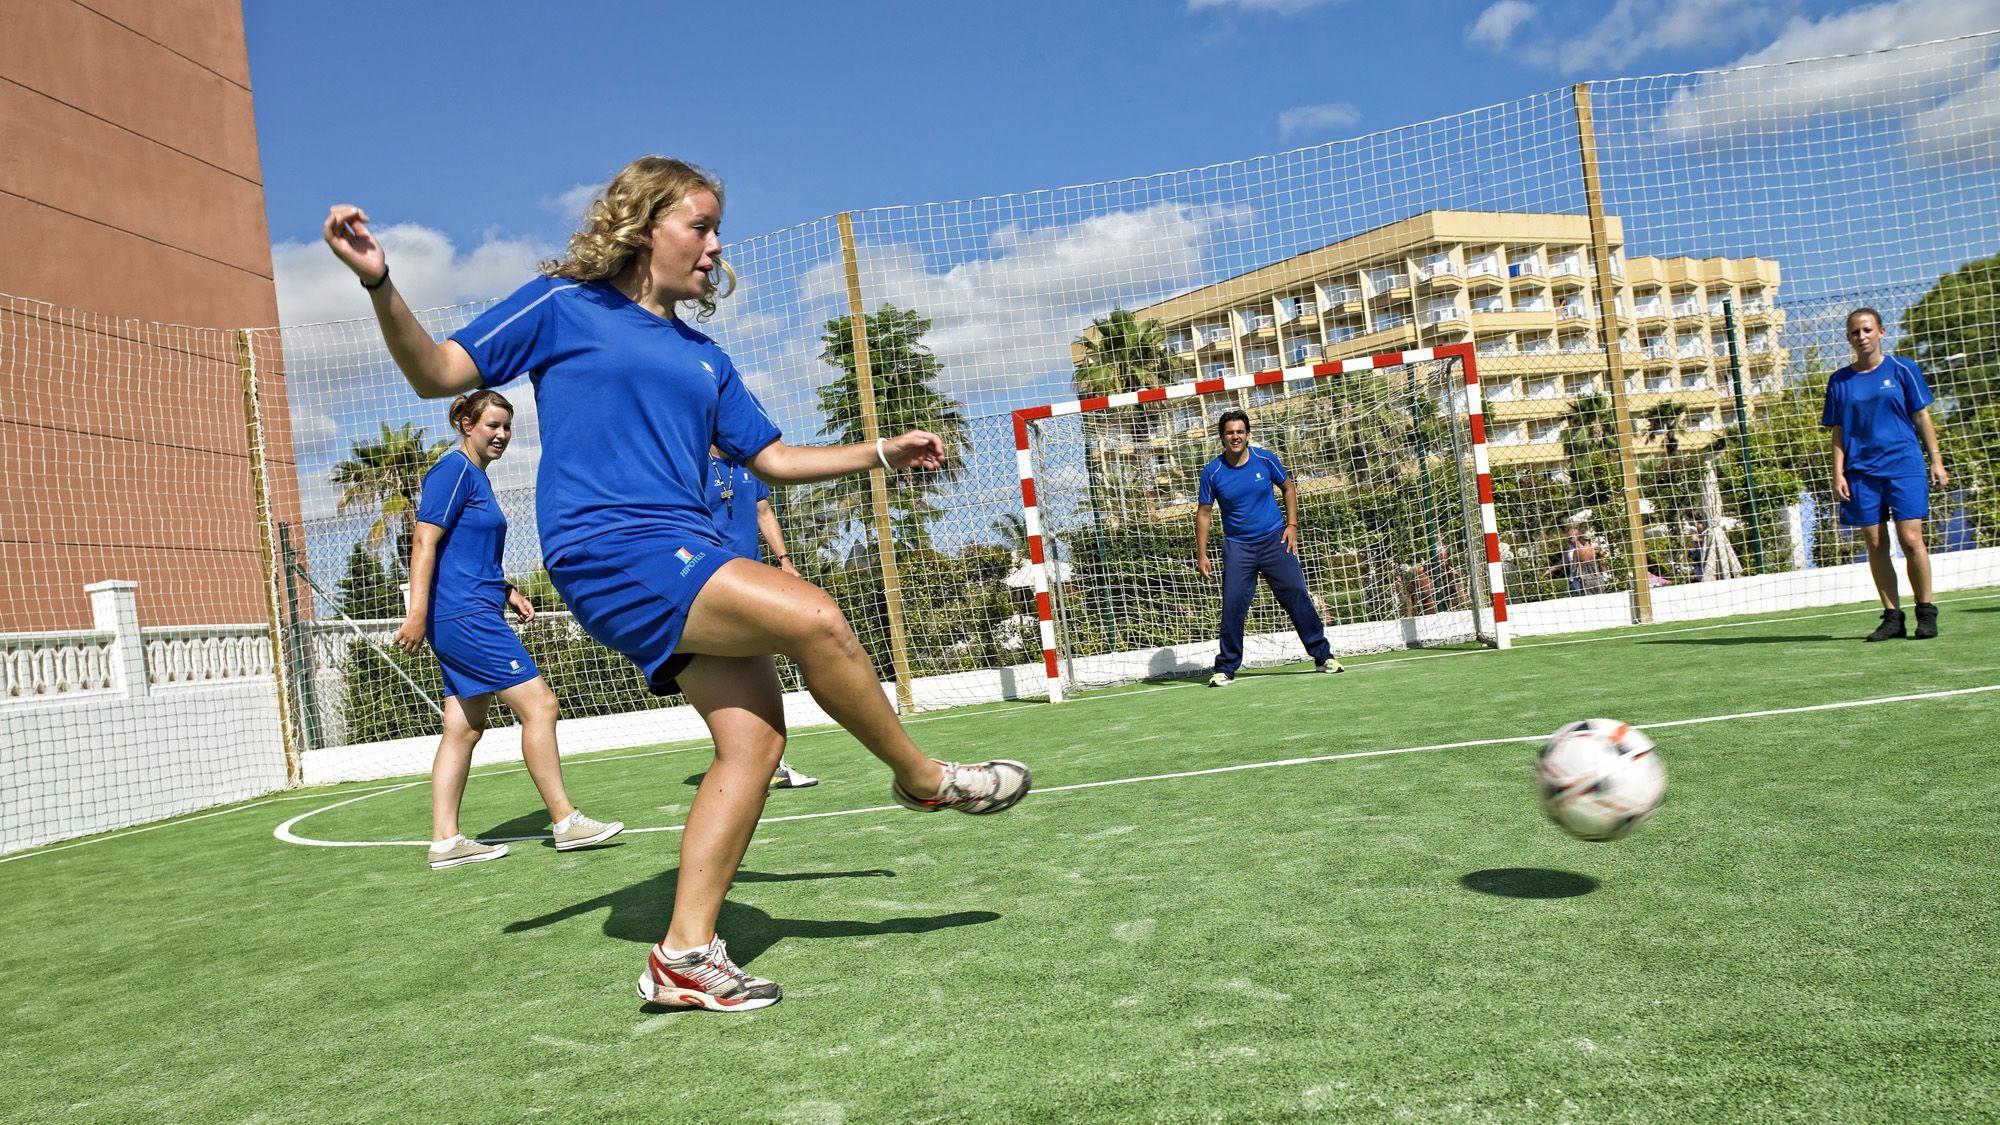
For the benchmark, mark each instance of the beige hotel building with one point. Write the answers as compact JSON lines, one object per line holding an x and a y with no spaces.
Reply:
{"x":1522,"y":289}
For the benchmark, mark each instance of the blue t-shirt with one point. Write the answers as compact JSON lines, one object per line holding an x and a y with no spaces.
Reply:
{"x":628,"y":404}
{"x":733,"y":495}
{"x":1249,"y":510}
{"x":468,"y":580}
{"x":1875,"y":411}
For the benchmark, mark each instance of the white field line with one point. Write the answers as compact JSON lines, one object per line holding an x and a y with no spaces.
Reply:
{"x":284,"y":833}
{"x":1529,"y":643}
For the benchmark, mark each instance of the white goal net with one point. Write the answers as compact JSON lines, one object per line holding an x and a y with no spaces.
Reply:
{"x":1387,"y":454}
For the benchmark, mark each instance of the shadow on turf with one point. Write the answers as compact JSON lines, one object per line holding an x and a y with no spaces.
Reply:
{"x":1740,"y":640}
{"x":638,"y":913}
{"x":1528,"y":882}
{"x":534,"y":824}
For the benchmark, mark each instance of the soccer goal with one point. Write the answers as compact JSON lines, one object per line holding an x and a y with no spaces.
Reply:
{"x":1396,"y":523}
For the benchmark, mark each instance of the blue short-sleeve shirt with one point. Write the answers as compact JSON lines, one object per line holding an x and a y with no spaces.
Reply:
{"x":1249,"y":509}
{"x":628,"y":404}
{"x":458,"y":498}
{"x":1876,"y":412}
{"x":733,"y":495}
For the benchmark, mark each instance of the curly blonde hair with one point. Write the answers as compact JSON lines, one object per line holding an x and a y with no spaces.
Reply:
{"x":616,"y":224}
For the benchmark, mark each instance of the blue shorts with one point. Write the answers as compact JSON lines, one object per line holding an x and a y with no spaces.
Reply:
{"x":1874,"y":499}
{"x":479,"y":655}
{"x":631,"y":590}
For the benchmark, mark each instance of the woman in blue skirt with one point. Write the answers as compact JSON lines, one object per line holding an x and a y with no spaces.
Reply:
{"x":458,"y":601}
{"x":630,"y":398}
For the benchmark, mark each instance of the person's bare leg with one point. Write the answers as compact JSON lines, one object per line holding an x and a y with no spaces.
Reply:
{"x":748,"y":609}
{"x":535,"y":706}
{"x":1880,"y":564}
{"x":464,"y":722}
{"x":740,"y":699}
{"x":1916,"y":556}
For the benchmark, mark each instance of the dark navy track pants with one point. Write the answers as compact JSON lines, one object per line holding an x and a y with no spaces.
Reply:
{"x":1241,"y":564}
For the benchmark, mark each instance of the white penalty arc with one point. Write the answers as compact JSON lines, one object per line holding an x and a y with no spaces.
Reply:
{"x":284,"y":831}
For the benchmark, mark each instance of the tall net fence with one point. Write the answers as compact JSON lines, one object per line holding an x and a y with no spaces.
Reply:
{"x":1653,"y":352}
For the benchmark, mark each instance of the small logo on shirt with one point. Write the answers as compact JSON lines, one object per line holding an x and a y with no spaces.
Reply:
{"x":1260,"y":476}
{"x":706,"y":367}
{"x":1888,"y":383}
{"x":514,"y":664}
{"x":687,"y":558}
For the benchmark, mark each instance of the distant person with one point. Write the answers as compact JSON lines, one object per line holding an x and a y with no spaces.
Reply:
{"x":1256,"y":540}
{"x":1579,"y":563}
{"x":458,"y":601}
{"x":1878,"y":411}
{"x":740,"y":505}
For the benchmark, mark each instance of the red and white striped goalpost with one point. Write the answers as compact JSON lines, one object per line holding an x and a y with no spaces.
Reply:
{"x":1475,"y":411}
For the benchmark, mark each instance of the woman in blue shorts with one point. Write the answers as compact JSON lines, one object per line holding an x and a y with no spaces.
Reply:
{"x":1885,"y":460}
{"x":630,"y":398}
{"x":458,"y":601}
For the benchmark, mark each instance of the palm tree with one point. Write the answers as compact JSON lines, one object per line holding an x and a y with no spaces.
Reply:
{"x":1589,"y":426}
{"x":1667,"y":419}
{"x":1121,"y":353}
{"x":1012,"y":529}
{"x":388,"y":474}
{"x":903,"y":371}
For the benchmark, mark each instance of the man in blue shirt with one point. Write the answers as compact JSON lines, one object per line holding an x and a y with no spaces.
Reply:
{"x":1877,"y":412}
{"x":1256,"y":539}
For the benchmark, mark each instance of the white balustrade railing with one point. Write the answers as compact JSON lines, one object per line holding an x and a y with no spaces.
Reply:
{"x":180,"y":655}
{"x":44,"y":666}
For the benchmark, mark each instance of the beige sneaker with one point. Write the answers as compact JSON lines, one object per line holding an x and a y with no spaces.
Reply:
{"x":458,"y":851}
{"x":579,"y":831}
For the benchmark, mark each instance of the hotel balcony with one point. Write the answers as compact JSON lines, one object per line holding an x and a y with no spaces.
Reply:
{"x":1214,"y":335}
{"x":1439,"y":273}
{"x":1342,"y":296}
{"x":1259,"y":324}
{"x":1444,"y":315}
{"x":1565,"y":270}
{"x":1651,"y":310}
{"x":1687,"y":309}
{"x":1484,"y":271}
{"x":1388,"y":284}
{"x":1572,"y":312}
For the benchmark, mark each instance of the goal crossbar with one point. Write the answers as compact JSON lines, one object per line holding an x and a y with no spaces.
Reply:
{"x":1198,"y":388}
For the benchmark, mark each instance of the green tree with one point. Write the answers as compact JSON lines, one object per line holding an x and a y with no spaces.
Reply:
{"x":1667,"y":419}
{"x":388,"y":475}
{"x":1121,"y":352}
{"x":904,"y":373}
{"x":1952,"y":328}
{"x":370,"y":588}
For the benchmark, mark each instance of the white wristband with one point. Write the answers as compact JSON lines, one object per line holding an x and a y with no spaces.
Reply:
{"x":882,"y":456}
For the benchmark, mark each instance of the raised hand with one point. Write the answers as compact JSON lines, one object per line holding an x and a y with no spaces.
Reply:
{"x":347,"y":233}
{"x":918,"y":449}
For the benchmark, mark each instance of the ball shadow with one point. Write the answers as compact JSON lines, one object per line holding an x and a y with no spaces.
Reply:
{"x":1528,"y":882}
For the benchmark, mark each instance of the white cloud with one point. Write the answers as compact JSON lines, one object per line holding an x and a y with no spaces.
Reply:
{"x":1007,"y":317}
{"x":1497,"y":24}
{"x":314,"y":286}
{"x":571,"y":204}
{"x":1960,"y":130}
{"x":1768,"y":98}
{"x":1313,"y":119}
{"x":1631,"y":29}
{"x":1262,"y":7}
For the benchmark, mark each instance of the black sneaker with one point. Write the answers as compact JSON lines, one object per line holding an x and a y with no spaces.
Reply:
{"x":1890,"y":628}
{"x":1926,"y":621}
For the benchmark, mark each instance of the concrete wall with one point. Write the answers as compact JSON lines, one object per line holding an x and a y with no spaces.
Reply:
{"x":130,"y":193}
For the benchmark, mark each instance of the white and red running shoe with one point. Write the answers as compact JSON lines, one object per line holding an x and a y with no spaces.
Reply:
{"x":979,"y":789}
{"x":705,"y":978}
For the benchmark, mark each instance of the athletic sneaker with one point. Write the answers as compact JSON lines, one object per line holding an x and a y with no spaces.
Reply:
{"x":1926,"y":621}
{"x":1330,"y":666}
{"x":459,"y":851}
{"x":1221,"y":679}
{"x":789,"y":778}
{"x":705,"y":978}
{"x":1890,"y":628}
{"x":988,"y":787}
{"x":579,"y":831}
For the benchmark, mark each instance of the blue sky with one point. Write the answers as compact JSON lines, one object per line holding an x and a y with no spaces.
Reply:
{"x":469,"y":131}
{"x":474,"y":120}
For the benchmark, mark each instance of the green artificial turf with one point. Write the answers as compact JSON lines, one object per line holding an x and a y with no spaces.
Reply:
{"x":1805,"y":932}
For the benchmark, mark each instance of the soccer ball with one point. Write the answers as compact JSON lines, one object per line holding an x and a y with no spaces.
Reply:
{"x":1600,"y":779}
